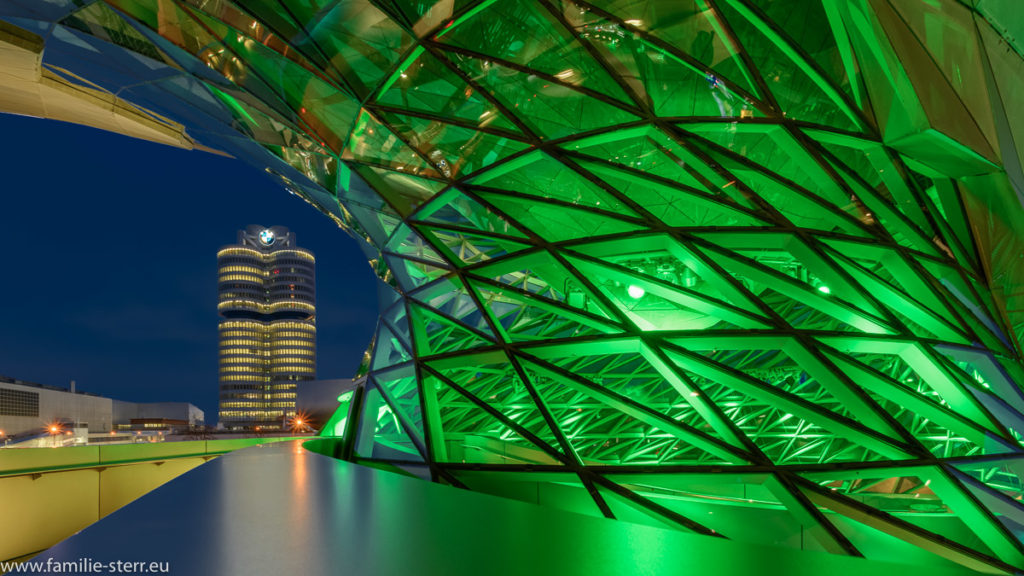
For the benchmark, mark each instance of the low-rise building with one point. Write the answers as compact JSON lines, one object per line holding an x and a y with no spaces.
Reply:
{"x":29,"y":410}
{"x":317,"y":400}
{"x":29,"y":407}
{"x":189,"y":416}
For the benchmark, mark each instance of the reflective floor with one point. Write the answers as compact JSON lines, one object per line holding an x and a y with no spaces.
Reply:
{"x":279,"y":509}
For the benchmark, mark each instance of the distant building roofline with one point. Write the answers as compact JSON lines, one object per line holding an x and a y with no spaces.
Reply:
{"x":17,"y":382}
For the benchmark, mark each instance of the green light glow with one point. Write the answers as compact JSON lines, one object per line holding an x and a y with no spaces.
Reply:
{"x":336,"y":425}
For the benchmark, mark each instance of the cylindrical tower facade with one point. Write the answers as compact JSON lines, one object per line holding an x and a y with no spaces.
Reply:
{"x":267,"y":303}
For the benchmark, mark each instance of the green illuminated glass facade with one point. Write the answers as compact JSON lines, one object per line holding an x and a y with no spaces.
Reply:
{"x":749,"y":268}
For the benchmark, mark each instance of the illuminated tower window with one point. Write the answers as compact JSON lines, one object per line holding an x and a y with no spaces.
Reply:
{"x":267,"y":328}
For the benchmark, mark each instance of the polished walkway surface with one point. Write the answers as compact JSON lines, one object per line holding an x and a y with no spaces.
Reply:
{"x":279,"y":509}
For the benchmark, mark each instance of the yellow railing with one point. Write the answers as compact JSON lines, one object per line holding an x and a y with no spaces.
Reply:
{"x":47,"y":494}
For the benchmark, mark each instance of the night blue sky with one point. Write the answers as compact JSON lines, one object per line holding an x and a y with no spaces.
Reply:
{"x":110,"y":273}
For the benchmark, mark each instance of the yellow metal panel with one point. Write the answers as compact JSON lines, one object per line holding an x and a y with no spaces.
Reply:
{"x":40,"y":510}
{"x":120,"y":485}
{"x":35,"y":459}
{"x":134,"y":452}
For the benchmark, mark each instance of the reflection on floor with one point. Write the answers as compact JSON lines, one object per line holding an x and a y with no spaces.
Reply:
{"x":280,"y":509}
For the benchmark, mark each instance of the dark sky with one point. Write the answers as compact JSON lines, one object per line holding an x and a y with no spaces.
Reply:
{"x":109,"y":264}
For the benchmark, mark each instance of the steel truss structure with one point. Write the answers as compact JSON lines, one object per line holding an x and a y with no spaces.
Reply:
{"x":749,"y":268}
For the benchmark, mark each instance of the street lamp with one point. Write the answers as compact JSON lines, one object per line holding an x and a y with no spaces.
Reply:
{"x":300,"y":423}
{"x":54,"y":430}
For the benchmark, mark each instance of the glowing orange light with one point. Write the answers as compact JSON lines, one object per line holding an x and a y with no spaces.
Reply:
{"x":53,"y":429}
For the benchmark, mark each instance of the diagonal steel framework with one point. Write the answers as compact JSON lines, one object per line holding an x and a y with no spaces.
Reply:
{"x":725,"y":266}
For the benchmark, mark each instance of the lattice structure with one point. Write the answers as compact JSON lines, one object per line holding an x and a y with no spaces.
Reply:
{"x":748,"y":268}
